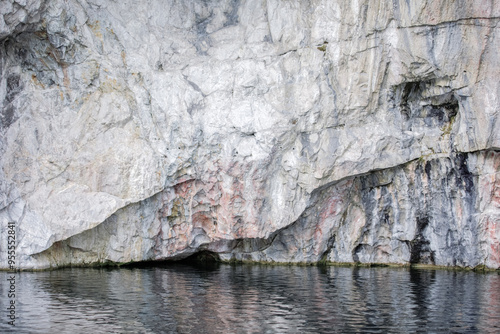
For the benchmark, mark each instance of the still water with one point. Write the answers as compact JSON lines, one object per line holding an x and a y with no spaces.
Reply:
{"x":252,"y":299}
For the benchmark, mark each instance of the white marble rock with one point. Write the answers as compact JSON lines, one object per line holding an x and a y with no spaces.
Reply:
{"x":278,"y":131}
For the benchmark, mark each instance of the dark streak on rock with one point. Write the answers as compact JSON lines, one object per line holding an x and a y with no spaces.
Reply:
{"x":465,"y":179}
{"x":420,"y":246}
{"x":232,"y":15}
{"x":13,"y":88}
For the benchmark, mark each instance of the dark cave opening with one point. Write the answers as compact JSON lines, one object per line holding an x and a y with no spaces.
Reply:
{"x":202,"y":257}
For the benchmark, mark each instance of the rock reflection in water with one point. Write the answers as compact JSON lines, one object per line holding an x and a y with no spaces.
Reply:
{"x":254,"y":299}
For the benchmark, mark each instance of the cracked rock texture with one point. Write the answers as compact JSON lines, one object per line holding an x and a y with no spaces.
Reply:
{"x":279,"y":131}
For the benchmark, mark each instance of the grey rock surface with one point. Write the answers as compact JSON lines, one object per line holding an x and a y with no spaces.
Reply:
{"x":279,"y":131}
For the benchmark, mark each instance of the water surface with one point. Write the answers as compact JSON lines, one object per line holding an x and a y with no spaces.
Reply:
{"x":252,"y":299}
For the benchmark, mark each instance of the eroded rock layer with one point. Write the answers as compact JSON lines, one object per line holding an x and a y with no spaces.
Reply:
{"x":279,"y":131}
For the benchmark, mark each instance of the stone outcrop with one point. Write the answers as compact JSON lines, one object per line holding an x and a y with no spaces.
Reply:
{"x":280,"y":131}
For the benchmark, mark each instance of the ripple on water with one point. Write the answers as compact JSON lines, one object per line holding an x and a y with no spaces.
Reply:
{"x":254,"y":299}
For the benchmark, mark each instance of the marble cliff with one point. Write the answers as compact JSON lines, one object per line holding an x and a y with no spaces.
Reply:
{"x":263,"y":130}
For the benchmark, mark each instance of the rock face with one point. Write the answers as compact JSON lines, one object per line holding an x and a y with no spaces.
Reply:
{"x":281,"y":131}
